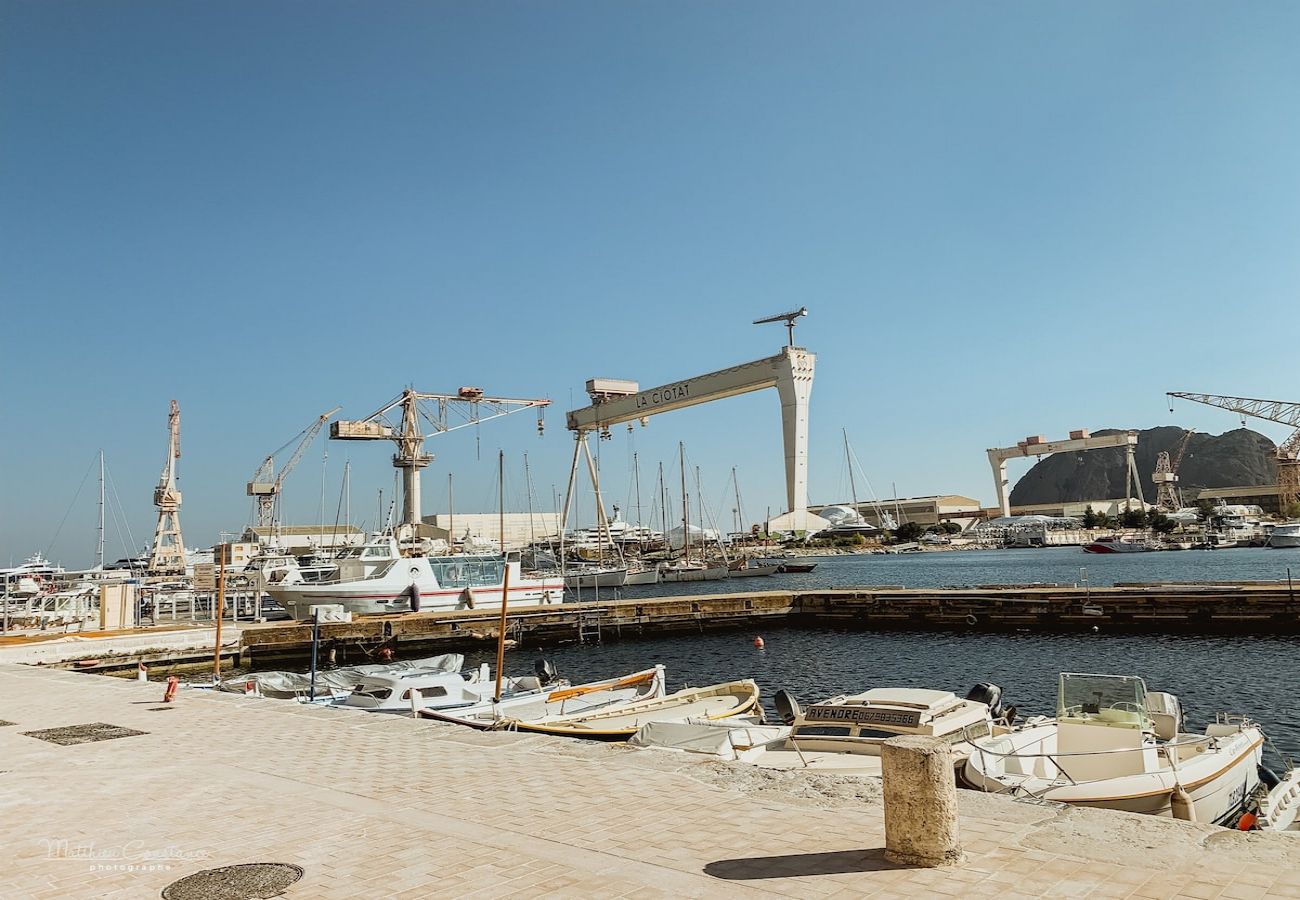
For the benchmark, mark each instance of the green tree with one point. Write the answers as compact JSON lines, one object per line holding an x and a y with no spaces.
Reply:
{"x":908,"y":532}
{"x":954,"y":528}
{"x":1133,"y":518}
{"x":1090,"y":517}
{"x":1161,"y":523}
{"x":1205,"y":509}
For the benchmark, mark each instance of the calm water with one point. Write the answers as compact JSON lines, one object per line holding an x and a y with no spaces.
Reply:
{"x":1251,"y":675}
{"x":1209,"y":674}
{"x":1059,"y":565}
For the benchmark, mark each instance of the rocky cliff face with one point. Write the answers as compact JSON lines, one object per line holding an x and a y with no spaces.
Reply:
{"x":1241,"y":457}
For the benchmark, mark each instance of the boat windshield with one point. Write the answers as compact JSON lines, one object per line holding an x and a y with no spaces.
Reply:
{"x":1114,"y":700}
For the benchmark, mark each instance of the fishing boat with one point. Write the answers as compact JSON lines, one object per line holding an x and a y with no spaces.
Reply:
{"x":844,"y":734}
{"x":561,"y":701}
{"x":619,"y":721}
{"x":375,"y":578}
{"x":1114,"y":745}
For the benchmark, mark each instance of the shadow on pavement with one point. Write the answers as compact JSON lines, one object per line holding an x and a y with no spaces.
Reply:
{"x":794,"y":865}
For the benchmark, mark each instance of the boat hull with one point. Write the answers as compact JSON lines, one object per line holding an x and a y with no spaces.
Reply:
{"x":712,"y":573}
{"x":644,"y":577}
{"x":610,"y":578}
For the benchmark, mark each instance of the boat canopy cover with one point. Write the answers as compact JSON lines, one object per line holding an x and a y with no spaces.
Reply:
{"x":719,"y":739}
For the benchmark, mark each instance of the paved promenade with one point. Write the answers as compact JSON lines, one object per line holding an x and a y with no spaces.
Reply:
{"x":377,"y":806}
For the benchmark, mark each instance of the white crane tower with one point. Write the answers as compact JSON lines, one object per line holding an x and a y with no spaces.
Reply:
{"x":265,"y":486}
{"x":469,"y":403}
{"x":167,"y":557}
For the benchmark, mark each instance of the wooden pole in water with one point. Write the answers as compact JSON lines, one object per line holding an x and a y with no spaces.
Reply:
{"x":505,"y":579}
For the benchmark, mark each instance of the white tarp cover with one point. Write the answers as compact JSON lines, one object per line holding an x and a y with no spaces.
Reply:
{"x":713,"y":738}
{"x":287,"y":685}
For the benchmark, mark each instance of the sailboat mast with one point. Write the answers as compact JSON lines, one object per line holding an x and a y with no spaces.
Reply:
{"x":740,"y":512}
{"x":636,"y":477}
{"x":848,"y":460}
{"x":347,"y":494}
{"x":505,"y":576}
{"x":686,"y":507}
{"x":528,"y":486}
{"x":451,"y":516}
{"x":99,"y":551}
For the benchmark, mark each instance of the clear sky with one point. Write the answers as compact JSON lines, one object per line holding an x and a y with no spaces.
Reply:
{"x":1004,"y":218}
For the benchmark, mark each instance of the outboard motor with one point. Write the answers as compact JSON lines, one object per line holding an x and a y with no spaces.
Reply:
{"x":990,"y":694}
{"x":787,"y":707}
{"x":544,"y":671}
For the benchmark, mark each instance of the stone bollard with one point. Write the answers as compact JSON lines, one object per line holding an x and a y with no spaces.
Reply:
{"x":920,"y":802}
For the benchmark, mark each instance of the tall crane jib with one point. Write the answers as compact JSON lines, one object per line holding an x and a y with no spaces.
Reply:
{"x":167,"y":555}
{"x":1284,"y":413}
{"x":265,"y":486}
{"x":440,"y":412}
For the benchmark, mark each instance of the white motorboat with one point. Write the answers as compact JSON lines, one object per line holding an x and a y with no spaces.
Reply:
{"x":1122,"y":544}
{"x":1279,"y":809}
{"x":35,"y":576}
{"x":681,"y":570}
{"x":1114,"y":745}
{"x":1285,"y":535}
{"x":595,"y":576}
{"x":844,"y":734}
{"x":589,"y":697}
{"x":375,"y":578}
{"x":415,"y":689}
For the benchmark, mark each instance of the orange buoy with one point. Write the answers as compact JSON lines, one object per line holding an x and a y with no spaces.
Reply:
{"x":758,"y":642}
{"x":1247,"y":822}
{"x":172,"y":684}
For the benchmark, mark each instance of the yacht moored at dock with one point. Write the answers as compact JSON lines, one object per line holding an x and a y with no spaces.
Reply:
{"x":375,"y":578}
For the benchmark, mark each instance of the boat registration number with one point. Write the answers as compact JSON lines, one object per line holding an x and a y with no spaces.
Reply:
{"x":901,"y":718}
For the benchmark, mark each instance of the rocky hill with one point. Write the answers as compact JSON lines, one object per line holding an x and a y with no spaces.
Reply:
{"x":1241,"y":457}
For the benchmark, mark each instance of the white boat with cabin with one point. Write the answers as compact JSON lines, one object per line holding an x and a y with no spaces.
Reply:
{"x":375,"y":578}
{"x":415,"y":689}
{"x":1114,"y":745}
{"x":1285,"y":535}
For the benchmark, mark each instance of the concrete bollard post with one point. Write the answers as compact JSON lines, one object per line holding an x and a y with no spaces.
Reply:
{"x":920,"y":802}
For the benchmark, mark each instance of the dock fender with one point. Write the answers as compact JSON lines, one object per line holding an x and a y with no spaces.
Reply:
{"x":415,"y":597}
{"x":468,"y":597}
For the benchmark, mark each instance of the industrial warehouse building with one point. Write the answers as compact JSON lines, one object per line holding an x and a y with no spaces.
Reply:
{"x":521,"y":528}
{"x":962,"y":511}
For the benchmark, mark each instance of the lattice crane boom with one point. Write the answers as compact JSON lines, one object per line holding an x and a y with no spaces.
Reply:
{"x":266,"y":484}
{"x":1281,"y":411}
{"x":470,"y":403}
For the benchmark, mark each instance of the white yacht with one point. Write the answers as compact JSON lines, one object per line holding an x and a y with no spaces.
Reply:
{"x":1114,"y":745}
{"x":1285,"y":535}
{"x":375,"y":578}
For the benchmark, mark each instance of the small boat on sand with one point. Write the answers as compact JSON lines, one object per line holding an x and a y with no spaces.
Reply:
{"x":404,"y":691}
{"x":561,"y":701}
{"x":620,"y":721}
{"x":333,"y":684}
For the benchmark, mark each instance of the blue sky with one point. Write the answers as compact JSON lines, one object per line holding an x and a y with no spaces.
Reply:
{"x":1005,"y":219}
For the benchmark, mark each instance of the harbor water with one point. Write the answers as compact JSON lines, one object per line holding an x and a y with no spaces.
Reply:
{"x":1209,"y":673}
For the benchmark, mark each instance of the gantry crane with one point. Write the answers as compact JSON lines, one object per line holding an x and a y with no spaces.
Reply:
{"x":265,"y":486}
{"x":1168,"y":497}
{"x":1281,"y":411}
{"x":167,"y":557}
{"x":410,"y":458}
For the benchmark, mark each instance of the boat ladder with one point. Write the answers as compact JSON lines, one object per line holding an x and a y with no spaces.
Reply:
{"x":588,"y":622}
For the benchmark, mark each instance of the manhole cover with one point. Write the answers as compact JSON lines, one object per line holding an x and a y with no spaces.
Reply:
{"x":243,"y":882}
{"x":83,"y":734}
